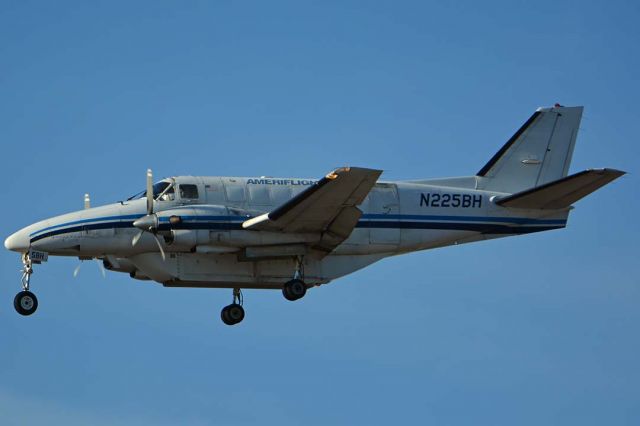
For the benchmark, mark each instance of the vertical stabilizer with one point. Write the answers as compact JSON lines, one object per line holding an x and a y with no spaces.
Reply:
{"x":538,"y":153}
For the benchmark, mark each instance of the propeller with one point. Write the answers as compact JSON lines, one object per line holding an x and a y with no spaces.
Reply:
{"x":76,"y":271}
{"x":148,"y":223}
{"x":149,"y":191}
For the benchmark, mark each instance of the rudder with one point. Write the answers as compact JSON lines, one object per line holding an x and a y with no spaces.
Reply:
{"x":538,"y":153}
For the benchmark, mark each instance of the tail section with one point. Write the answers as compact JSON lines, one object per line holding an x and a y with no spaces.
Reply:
{"x":538,"y":153}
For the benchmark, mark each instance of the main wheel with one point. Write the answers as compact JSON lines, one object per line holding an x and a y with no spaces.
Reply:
{"x":25,"y":303}
{"x":232,"y":314}
{"x":294,"y":290}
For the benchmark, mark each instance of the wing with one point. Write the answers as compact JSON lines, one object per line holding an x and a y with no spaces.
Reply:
{"x":328,"y":207}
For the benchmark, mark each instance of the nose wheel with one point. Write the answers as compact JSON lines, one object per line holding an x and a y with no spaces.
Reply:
{"x":26,"y":302}
{"x":233,"y":313}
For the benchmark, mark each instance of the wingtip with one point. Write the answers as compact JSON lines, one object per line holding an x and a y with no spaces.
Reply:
{"x":618,"y":172}
{"x":608,"y":171}
{"x":353,"y":169}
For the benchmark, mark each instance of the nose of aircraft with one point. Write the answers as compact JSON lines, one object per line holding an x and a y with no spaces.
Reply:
{"x":18,"y":242}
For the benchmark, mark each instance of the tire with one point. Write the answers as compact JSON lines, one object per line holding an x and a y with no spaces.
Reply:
{"x":286,"y":294}
{"x":224,"y":315}
{"x":25,"y":303}
{"x":232,"y":314}
{"x":235,"y":313}
{"x":294,"y":290}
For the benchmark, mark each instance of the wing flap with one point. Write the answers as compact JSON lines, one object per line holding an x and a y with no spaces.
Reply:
{"x":561,"y":193}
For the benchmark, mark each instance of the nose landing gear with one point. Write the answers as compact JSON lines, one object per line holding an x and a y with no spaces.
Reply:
{"x":233,"y":313}
{"x":26,"y":302}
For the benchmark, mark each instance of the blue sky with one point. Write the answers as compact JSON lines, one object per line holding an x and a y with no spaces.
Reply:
{"x":541,"y":329}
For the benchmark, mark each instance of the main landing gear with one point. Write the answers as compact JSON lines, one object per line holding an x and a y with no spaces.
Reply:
{"x":292,"y":290}
{"x":26,"y":302}
{"x":296,"y":288}
{"x":233,"y":313}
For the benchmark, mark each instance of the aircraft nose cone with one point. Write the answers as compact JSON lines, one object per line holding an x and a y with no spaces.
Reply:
{"x":18,"y":242}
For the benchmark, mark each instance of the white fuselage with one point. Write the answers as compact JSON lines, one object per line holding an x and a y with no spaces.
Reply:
{"x":209,"y":247}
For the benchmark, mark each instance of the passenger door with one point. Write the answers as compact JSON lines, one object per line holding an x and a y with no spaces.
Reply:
{"x":384,"y":206}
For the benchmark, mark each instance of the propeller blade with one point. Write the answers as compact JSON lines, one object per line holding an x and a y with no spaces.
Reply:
{"x":76,"y":271}
{"x":136,"y":238}
{"x":101,"y":267}
{"x":159,"y":246}
{"x":149,"y":191}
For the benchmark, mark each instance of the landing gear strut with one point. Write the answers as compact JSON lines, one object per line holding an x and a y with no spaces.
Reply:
{"x":233,"y":313}
{"x":26,"y":302}
{"x":296,"y":288}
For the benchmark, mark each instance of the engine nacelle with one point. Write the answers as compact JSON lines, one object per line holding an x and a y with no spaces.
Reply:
{"x":137,"y":275}
{"x":118,"y":265}
{"x":182,"y":240}
{"x":123,"y":265}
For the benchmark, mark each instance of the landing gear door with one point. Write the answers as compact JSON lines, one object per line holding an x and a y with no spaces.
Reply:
{"x":384,"y":206}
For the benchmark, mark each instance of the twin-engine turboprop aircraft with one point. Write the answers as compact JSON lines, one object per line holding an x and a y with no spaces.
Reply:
{"x":293,"y":234}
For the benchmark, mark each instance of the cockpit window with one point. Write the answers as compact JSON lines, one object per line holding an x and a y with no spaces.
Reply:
{"x":163,"y":191}
{"x":189,"y":192}
{"x":159,"y":188}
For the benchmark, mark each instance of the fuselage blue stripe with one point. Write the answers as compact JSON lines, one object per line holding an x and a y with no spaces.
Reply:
{"x":365,"y":217}
{"x":208,"y":218}
{"x":518,"y":220}
{"x":469,"y":223}
{"x":90,"y":220}
{"x":137,"y":216}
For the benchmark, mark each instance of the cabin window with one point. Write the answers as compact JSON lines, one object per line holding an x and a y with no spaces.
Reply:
{"x":235,"y":191}
{"x":259,"y":194}
{"x":189,"y":192}
{"x":214,"y":192}
{"x":280,"y":194}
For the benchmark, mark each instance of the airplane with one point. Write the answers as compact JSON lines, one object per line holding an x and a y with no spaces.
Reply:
{"x":293,"y":234}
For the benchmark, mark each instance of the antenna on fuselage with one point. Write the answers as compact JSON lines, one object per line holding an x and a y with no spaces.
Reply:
{"x":87,"y":201}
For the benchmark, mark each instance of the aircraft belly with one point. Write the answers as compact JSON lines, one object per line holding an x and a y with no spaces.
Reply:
{"x":225,"y":271}
{"x":422,"y":239}
{"x":336,"y":266}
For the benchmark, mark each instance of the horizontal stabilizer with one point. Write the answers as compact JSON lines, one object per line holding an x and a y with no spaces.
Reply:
{"x":561,"y":193}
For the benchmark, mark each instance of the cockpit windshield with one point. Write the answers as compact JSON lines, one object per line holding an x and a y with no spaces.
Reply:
{"x":162,"y":190}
